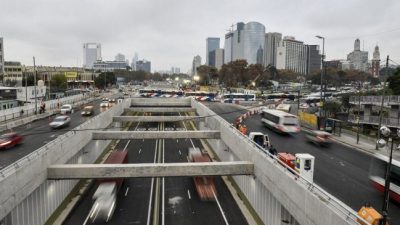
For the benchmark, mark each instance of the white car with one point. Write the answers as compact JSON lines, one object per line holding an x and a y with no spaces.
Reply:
{"x":60,"y":121}
{"x":66,"y":109}
{"x":104,"y":104}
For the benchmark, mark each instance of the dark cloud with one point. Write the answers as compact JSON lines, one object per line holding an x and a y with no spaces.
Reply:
{"x":171,"y":32}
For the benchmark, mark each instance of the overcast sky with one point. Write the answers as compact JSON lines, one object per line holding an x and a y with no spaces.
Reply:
{"x":171,"y":32}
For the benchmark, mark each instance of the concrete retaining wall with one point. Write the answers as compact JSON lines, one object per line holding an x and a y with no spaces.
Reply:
{"x":25,"y":189}
{"x":273,"y":189}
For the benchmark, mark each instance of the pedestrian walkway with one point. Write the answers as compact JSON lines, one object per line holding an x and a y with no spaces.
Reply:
{"x":365,"y":144}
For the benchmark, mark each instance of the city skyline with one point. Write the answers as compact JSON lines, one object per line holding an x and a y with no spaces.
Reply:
{"x":167,"y":39}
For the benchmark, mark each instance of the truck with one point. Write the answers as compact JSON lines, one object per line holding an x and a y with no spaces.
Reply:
{"x":261,"y":139}
{"x":204,"y":185}
{"x":105,"y":196}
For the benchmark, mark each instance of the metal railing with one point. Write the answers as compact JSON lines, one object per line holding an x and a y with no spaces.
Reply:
{"x":376,"y":100}
{"x":332,"y":202}
{"x":391,"y":122}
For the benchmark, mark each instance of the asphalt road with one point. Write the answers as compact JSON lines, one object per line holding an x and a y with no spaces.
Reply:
{"x":340,"y":170}
{"x":178,"y":201}
{"x":38,"y":133}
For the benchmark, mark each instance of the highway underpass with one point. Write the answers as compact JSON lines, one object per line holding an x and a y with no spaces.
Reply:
{"x":274,"y":193}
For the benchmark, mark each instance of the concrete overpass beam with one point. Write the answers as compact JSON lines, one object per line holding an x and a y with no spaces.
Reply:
{"x":115,"y":135}
{"x":159,"y":109}
{"x":160,"y":102}
{"x":153,"y":118}
{"x":83,"y":171}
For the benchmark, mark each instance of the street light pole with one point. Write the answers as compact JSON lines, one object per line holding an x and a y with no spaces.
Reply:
{"x":322,"y":68}
{"x":382,"y":99}
{"x":358,"y":113}
{"x":34,"y":78}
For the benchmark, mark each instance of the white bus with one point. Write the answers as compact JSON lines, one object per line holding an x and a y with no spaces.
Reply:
{"x":234,"y":97}
{"x":280,"y":121}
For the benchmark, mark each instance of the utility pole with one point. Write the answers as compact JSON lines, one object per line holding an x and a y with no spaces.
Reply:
{"x":26,"y":86}
{"x":358,"y":112}
{"x":383,"y":97}
{"x":34,"y":78}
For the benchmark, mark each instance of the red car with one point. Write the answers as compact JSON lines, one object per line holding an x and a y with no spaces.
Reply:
{"x":9,"y":140}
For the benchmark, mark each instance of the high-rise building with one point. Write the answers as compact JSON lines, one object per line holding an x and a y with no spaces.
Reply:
{"x":143,"y":65}
{"x":228,"y":45}
{"x":120,"y":57}
{"x":134,"y":60}
{"x":313,"y":59}
{"x":175,"y":70}
{"x":358,"y":59}
{"x":375,"y":63}
{"x":212,"y":45}
{"x":270,"y":49}
{"x":292,"y":55}
{"x":1,"y":56}
{"x":91,"y":53}
{"x":196,"y":63}
{"x":246,"y":42}
{"x":219,"y":58}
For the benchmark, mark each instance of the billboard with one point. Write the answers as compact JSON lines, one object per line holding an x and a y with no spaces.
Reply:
{"x":71,"y":74}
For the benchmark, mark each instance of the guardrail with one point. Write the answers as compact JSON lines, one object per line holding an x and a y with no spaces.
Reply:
{"x":348,"y":214}
{"x":377,"y":100}
{"x":30,"y":109}
{"x":392,"y":122}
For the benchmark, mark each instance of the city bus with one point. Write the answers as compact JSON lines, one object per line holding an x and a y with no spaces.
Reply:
{"x":377,"y":175}
{"x":237,"y":97}
{"x":201,"y":95}
{"x":280,"y":121}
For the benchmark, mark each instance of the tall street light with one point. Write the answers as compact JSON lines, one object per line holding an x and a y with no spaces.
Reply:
{"x":322,"y":68}
{"x":387,"y":133}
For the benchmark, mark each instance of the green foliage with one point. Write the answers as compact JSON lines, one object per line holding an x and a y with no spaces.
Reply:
{"x":394,"y":82}
{"x":107,"y":78}
{"x":59,"y":82}
{"x":30,"y":80}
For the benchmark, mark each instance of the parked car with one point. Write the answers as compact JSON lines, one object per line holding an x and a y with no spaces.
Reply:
{"x":104,"y":104}
{"x":318,"y":137}
{"x":60,"y":122}
{"x":66,"y":109}
{"x":87,"y":111}
{"x":9,"y":140}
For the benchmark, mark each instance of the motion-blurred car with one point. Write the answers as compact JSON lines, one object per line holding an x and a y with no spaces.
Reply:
{"x":66,"y":109}
{"x":9,"y":140}
{"x":318,"y":137}
{"x":87,"y":111}
{"x":60,"y":122}
{"x":104,"y":104}
{"x":112,"y":100}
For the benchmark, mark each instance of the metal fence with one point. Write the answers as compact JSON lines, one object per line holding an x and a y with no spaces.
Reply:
{"x":376,"y":100}
{"x":374,"y":120}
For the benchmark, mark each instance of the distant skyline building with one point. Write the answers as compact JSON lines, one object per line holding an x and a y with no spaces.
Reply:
{"x":175,"y":70}
{"x":272,"y":40}
{"x":91,"y":54}
{"x":1,"y":56}
{"x":134,"y":60}
{"x":212,"y":43}
{"x":143,"y":65}
{"x":246,"y":42}
{"x":119,"y":57}
{"x":109,"y":66}
{"x":219,"y":58}
{"x":195,"y":63}
{"x":358,"y":59}
{"x":294,"y":55}
{"x":375,"y":62}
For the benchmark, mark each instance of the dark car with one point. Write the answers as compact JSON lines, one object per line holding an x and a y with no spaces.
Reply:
{"x":9,"y":140}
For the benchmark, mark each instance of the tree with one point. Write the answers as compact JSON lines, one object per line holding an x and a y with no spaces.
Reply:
{"x":30,"y":80}
{"x":59,"y":82}
{"x":107,"y":78}
{"x":206,"y":73}
{"x":394,"y":82}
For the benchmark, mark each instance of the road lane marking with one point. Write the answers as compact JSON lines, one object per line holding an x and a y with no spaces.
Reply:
{"x":126,"y":192}
{"x":180,"y":153}
{"x":190,"y":197}
{"x":140,"y":150}
{"x":52,"y":135}
{"x":220,"y":209}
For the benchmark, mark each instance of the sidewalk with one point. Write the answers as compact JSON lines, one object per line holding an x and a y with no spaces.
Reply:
{"x":365,"y":144}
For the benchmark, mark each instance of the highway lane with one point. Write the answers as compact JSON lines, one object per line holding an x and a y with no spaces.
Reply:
{"x":38,"y":133}
{"x":178,"y":199}
{"x":339,"y":169}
